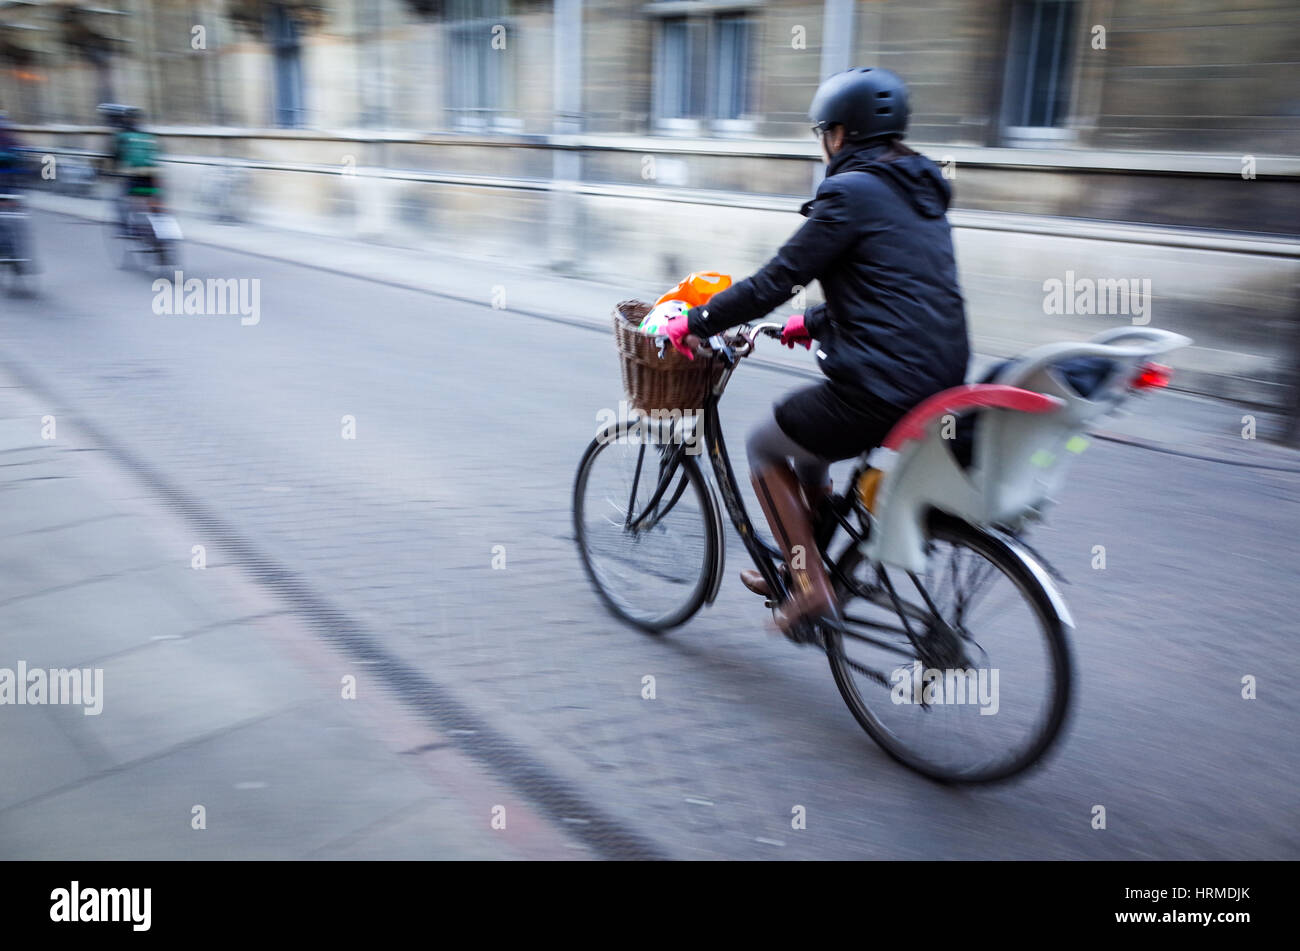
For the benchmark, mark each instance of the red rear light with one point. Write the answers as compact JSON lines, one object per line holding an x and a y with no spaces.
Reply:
{"x":1152,"y":376}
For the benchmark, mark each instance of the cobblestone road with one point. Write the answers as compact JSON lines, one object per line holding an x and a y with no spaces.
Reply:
{"x":469,"y":424}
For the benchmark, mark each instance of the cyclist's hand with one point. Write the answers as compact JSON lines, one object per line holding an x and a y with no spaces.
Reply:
{"x":679,"y":335}
{"x":795,"y":332}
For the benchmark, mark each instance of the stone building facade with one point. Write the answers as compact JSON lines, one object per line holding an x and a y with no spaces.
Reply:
{"x":656,"y":136}
{"x":1189,"y":76}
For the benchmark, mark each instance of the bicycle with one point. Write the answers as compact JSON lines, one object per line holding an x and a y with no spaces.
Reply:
{"x":17,"y":259}
{"x":928,"y":530}
{"x":143,"y":232}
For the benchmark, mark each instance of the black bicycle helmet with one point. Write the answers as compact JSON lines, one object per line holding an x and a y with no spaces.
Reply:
{"x":869,"y":102}
{"x":120,"y":115}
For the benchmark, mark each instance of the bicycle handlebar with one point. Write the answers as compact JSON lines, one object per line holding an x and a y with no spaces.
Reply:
{"x":751,"y":332}
{"x":744,"y":337}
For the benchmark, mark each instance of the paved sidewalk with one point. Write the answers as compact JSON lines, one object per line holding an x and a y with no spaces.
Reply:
{"x":212,"y":695}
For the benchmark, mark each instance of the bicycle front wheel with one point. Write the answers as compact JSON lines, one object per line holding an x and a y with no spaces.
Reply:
{"x":645,"y":527}
{"x":17,"y":268}
{"x":121,"y":246}
{"x":961,"y":672}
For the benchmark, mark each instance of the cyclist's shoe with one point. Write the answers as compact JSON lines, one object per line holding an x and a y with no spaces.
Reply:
{"x":753,"y":579}
{"x":783,"y":503}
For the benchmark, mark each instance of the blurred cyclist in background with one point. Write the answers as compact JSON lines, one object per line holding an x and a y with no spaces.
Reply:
{"x":134,"y":156}
{"x":13,"y":164}
{"x":891,"y":333}
{"x":15,"y":239}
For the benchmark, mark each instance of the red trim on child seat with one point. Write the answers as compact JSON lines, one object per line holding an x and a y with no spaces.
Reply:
{"x":984,"y":395}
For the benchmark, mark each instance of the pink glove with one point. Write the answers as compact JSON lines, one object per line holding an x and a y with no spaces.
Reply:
{"x":795,"y":332}
{"x":678,"y":329}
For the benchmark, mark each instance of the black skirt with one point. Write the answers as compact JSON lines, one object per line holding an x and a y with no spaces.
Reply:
{"x":834,"y":421}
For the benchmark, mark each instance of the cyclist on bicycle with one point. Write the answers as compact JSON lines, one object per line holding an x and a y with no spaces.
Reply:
{"x":134,"y":157}
{"x":891,"y":333}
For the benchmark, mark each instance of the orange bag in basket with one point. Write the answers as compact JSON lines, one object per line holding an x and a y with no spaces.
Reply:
{"x":697,"y":288}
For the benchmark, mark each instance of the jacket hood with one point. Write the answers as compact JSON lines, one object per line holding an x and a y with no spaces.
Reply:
{"x":913,"y":176}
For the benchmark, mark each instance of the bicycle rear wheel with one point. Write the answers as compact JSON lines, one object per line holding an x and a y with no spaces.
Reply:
{"x":961,"y":672}
{"x":646,"y":528}
{"x":166,"y":256}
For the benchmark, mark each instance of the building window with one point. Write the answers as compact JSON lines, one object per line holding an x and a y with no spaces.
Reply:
{"x":479,"y":44}
{"x":372,"y":73}
{"x":702,"y":71}
{"x":680,"y":84}
{"x":1036,"y":99}
{"x":731,"y":59}
{"x":286,"y":52}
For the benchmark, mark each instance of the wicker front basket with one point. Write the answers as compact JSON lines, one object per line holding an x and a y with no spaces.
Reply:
{"x":658,"y":385}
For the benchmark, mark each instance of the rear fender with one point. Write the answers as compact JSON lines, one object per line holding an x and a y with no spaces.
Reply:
{"x":1032,"y":566}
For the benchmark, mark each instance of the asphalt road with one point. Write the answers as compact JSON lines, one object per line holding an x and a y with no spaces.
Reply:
{"x":469,"y":424}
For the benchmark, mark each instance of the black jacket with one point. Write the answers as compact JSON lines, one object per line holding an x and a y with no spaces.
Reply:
{"x":894,"y":323}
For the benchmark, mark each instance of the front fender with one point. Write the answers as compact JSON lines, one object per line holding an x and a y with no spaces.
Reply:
{"x":715,"y":514}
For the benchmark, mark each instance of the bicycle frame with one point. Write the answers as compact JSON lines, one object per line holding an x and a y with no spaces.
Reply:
{"x":729,"y":488}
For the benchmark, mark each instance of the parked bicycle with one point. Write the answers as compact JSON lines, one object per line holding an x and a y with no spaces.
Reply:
{"x":952,"y":650}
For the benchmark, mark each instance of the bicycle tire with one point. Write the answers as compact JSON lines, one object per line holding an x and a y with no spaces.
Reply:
{"x":167,"y":256}
{"x":1052,"y":625}
{"x":713,"y":541}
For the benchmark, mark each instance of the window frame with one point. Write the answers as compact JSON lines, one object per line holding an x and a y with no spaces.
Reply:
{"x":284,"y":39}
{"x":498,"y":115}
{"x":704,"y":41}
{"x":1017,"y":76}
